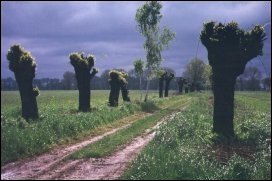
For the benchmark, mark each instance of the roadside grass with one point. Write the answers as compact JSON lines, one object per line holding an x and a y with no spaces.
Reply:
{"x":111,"y":143}
{"x":185,"y":148}
{"x":59,"y":121}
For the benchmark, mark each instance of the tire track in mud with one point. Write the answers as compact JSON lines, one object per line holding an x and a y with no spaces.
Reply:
{"x":52,"y":166}
{"x":39,"y":165}
{"x":107,"y":168}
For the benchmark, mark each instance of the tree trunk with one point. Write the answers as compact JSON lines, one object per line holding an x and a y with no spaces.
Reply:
{"x":167,"y":83}
{"x":125,"y":92}
{"x":192,"y":88}
{"x":186,"y":90}
{"x":180,"y":86}
{"x":83,"y":84}
{"x":84,"y":98}
{"x":161,"y":87}
{"x":141,"y":88}
{"x":114,"y":93}
{"x":166,"y":89}
{"x":147,"y":84}
{"x":28,"y":98}
{"x":223,"y":89}
{"x":147,"y":90}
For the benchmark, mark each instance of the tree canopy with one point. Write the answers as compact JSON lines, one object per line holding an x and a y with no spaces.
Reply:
{"x":78,"y":60}
{"x":229,"y":46}
{"x":20,"y":59}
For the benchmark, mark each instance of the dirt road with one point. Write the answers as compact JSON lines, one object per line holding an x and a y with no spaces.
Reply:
{"x":51,"y":165}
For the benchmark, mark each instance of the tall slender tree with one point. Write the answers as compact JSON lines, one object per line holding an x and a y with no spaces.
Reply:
{"x":85,"y":71}
{"x":139,"y":70}
{"x":229,"y":50}
{"x":148,"y":18}
{"x":23,"y":65}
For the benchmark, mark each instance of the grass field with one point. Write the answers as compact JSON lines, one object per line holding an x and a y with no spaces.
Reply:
{"x":184,"y":148}
{"x":59,"y":120}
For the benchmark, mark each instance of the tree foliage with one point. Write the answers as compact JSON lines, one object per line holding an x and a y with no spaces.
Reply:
{"x":139,"y":67}
{"x":78,"y":60}
{"x":197,"y":73}
{"x":230,"y":47}
{"x":20,"y":59}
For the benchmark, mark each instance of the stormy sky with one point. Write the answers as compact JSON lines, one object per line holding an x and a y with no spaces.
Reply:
{"x":52,"y":30}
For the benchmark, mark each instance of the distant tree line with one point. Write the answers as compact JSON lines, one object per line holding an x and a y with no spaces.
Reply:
{"x":251,"y":80}
{"x":68,"y":82}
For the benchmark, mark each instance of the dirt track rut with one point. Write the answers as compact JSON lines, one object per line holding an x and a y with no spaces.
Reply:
{"x":51,"y":165}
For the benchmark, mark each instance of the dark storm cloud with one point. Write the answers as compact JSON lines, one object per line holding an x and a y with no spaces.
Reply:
{"x":52,"y":30}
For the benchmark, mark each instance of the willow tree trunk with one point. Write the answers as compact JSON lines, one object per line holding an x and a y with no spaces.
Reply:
{"x":114,"y":93}
{"x":83,"y":83}
{"x":180,"y":86}
{"x":192,"y":87}
{"x":161,"y":80}
{"x":125,"y":92}
{"x":223,"y":90}
{"x":28,"y":97}
{"x":186,"y":90}
{"x":167,"y":83}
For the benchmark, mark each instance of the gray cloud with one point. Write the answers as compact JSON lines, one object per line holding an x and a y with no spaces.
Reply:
{"x":52,"y":30}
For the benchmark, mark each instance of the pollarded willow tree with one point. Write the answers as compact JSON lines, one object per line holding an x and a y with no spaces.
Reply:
{"x":118,"y":82}
{"x":23,"y":65}
{"x":229,"y":50}
{"x":85,"y":71}
{"x":148,"y":18}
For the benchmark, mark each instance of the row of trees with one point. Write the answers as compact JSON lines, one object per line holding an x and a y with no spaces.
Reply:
{"x":68,"y":82}
{"x":251,"y":80}
{"x":229,"y":49}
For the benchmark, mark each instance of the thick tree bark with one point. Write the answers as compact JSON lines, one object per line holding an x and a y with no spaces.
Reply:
{"x":125,"y":92}
{"x":28,"y":97}
{"x":167,"y":83}
{"x":180,"y":85}
{"x":186,"y":89}
{"x":192,"y":87}
{"x":83,"y":84}
{"x":114,"y":93}
{"x":223,"y":113}
{"x":161,"y":80}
